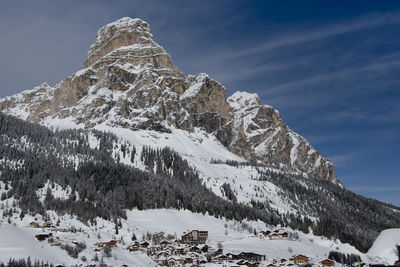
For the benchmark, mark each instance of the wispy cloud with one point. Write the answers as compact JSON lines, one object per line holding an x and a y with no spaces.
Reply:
{"x":360,"y":23}
{"x":278,"y":41}
{"x":348,"y":73}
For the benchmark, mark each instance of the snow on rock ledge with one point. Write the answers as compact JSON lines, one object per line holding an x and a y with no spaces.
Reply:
{"x":240,"y":100}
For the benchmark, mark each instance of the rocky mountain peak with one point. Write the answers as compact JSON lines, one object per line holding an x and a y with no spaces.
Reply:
{"x":123,"y":32}
{"x":129,"y":81}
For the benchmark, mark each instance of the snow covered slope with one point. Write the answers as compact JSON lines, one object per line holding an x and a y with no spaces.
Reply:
{"x":384,"y":250}
{"x":18,"y":239}
{"x":71,"y":159}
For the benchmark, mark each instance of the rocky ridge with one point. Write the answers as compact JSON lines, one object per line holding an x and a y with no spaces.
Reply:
{"x":128,"y":80}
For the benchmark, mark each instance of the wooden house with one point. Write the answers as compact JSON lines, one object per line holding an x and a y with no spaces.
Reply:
{"x":162,"y":254}
{"x":47,"y":225}
{"x":170,"y":250}
{"x":271,"y":265}
{"x":186,"y":249}
{"x":250,"y":256}
{"x":182,"y":261}
{"x":111,"y":243}
{"x":172,"y":262}
{"x":165,"y":243}
{"x":205,"y":248}
{"x":262,"y":234}
{"x":327,"y":262}
{"x":34,"y":225}
{"x":222,"y":258}
{"x":283,"y":260}
{"x":195,"y":236}
{"x":144,"y":244}
{"x":194,"y":255}
{"x":179,"y":250}
{"x":274,"y":236}
{"x":151,"y":250}
{"x":159,"y":235}
{"x":42,"y":237}
{"x":299,"y":259}
{"x":284,"y":235}
{"x":161,"y":261}
{"x":134,"y":247}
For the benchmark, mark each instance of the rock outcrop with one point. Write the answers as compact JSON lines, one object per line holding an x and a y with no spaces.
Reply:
{"x":128,"y":80}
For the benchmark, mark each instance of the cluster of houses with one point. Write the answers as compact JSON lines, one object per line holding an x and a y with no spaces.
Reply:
{"x":274,"y":235}
{"x":301,"y":260}
{"x":193,"y":249}
{"x":49,"y":227}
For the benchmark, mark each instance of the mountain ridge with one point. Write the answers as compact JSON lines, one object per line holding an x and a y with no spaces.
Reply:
{"x":128,"y":80}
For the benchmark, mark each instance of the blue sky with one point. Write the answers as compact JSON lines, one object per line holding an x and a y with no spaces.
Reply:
{"x":332,"y":68}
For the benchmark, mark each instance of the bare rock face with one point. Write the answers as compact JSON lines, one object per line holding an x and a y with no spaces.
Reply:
{"x":261,"y":135}
{"x":205,"y":100}
{"x":129,"y":81}
{"x":123,"y":32}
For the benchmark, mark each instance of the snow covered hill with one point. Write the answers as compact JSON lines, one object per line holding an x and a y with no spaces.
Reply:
{"x":18,"y":239}
{"x":384,"y":250}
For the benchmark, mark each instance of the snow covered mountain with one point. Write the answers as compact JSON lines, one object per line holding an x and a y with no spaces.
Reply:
{"x":129,"y":81}
{"x":129,"y":141}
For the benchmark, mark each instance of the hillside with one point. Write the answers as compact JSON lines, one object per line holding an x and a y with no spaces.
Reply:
{"x":106,"y":174}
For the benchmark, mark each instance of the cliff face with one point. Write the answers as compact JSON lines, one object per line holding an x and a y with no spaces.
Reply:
{"x":129,"y":80}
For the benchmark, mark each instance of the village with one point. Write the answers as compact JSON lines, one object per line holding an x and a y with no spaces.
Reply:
{"x":191,"y":249}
